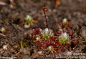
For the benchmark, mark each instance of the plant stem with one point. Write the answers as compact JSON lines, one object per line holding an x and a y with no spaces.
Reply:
{"x":45,"y":17}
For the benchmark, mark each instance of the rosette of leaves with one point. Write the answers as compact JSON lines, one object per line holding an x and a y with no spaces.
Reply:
{"x":29,"y":21}
{"x":47,"y":33}
{"x":64,"y":38}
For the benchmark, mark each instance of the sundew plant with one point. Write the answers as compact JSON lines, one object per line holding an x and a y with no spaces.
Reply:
{"x":48,"y":40}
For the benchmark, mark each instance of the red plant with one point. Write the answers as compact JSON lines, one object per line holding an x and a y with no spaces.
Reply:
{"x":48,"y":43}
{"x":53,"y":39}
{"x":56,"y":42}
{"x":37,"y":31}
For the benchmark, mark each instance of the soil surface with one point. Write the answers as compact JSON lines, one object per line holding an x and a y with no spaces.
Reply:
{"x":12,"y":18}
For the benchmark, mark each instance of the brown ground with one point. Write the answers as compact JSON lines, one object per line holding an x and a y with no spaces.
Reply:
{"x":70,"y":9}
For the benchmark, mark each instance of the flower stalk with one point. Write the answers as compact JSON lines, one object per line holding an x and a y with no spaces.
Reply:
{"x":45,"y":9}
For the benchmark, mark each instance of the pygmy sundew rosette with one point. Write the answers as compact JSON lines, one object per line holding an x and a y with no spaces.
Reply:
{"x":29,"y":21}
{"x":47,"y":33}
{"x":66,"y":24}
{"x":64,"y":38}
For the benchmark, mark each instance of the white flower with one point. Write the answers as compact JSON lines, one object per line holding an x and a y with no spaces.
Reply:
{"x":47,"y":33}
{"x":37,"y":38}
{"x":50,"y":48}
{"x":64,"y":38}
{"x":26,"y":26}
{"x":3,"y":29}
{"x":5,"y":47}
{"x":39,"y":52}
{"x":64,"y":20}
{"x":28,"y":17}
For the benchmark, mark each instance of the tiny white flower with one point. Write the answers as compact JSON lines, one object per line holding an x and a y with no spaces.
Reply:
{"x":26,"y":26}
{"x":46,"y":29}
{"x":47,"y":33}
{"x":50,"y":48}
{"x":39,"y":52}
{"x":5,"y":47}
{"x":64,"y":38}
{"x":64,"y":20}
{"x":37,"y":38}
{"x":3,"y":29}
{"x":28,"y":17}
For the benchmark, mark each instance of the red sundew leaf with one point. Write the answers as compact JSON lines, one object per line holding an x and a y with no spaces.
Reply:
{"x":68,"y":21}
{"x":8,"y":31}
{"x":56,"y":51}
{"x":70,"y":26}
{"x":42,"y":48}
{"x":63,"y":50}
{"x":77,"y":40}
{"x":35,"y":18}
{"x":48,"y":43}
{"x":53,"y":39}
{"x":59,"y":33}
{"x":64,"y":31}
{"x":30,"y":37}
{"x":34,"y":41}
{"x":70,"y":48}
{"x":38,"y":43}
{"x":55,"y":33}
{"x":57,"y":46}
{"x":42,"y":56}
{"x":43,"y":42}
{"x":5,"y":32}
{"x":37,"y":31}
{"x":71,"y":33}
{"x":74,"y":43}
{"x":69,"y":45}
{"x":62,"y":25}
{"x":66,"y":26}
{"x":54,"y":45}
